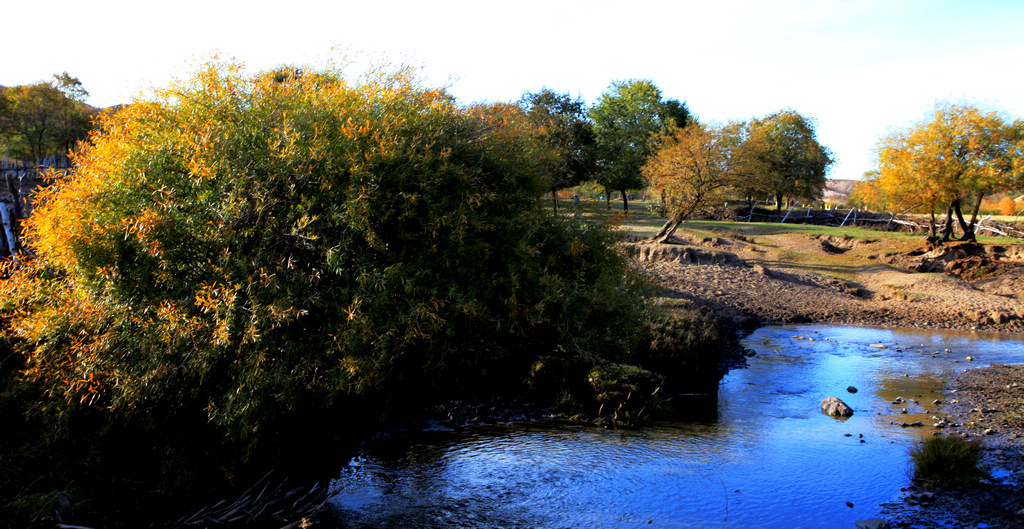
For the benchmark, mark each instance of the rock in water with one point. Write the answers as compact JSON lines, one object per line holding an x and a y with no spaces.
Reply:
{"x":835,"y":407}
{"x":874,"y":523}
{"x":851,"y":389}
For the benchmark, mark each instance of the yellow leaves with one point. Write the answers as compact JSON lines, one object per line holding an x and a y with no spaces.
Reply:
{"x":351,"y":310}
{"x":577,"y":247}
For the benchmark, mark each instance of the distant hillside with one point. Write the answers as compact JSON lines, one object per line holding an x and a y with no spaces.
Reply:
{"x":838,"y":190}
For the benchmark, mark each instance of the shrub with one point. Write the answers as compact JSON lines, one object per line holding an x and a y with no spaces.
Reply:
{"x":263,"y":253}
{"x":947,"y":461}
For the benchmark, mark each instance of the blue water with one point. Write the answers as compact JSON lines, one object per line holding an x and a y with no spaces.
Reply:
{"x":768,"y":458}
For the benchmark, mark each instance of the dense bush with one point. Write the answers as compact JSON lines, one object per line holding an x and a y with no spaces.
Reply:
{"x":249,"y":251}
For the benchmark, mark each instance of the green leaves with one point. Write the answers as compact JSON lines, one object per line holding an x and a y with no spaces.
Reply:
{"x":243,"y":247}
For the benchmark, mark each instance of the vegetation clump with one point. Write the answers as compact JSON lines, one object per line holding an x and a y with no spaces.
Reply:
{"x":247,"y":264}
{"x":947,"y":461}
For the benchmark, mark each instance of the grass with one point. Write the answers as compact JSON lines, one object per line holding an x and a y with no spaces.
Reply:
{"x":947,"y":461}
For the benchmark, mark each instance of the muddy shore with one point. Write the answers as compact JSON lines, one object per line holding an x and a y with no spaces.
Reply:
{"x":745,"y":285}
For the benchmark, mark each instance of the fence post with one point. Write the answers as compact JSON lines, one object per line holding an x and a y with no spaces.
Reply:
{"x":848,"y":216}
{"x":788,"y":212}
{"x":12,"y":243}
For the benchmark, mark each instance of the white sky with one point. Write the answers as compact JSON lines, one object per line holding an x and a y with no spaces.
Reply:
{"x":859,"y":67}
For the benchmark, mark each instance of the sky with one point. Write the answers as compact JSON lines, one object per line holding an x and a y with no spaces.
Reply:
{"x":860,"y":68}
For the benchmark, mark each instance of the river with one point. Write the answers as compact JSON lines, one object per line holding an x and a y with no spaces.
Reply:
{"x":763,"y":456}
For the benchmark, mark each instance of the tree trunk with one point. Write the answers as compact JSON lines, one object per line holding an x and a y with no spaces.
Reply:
{"x":607,"y":199}
{"x":667,"y":231}
{"x":554,"y":201}
{"x":625,"y":202}
{"x":968,"y":229}
{"x":778,"y":202}
{"x":947,"y":230}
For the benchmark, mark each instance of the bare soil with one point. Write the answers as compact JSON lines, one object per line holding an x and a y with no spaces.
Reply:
{"x":796,"y":278}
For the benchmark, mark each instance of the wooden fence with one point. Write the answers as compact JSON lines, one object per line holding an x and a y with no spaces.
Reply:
{"x":885,"y":221}
{"x":19,"y":180}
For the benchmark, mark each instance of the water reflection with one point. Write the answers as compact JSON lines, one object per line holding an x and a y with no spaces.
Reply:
{"x":768,"y":459}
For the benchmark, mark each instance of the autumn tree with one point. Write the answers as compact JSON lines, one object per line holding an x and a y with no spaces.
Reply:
{"x":781,"y":157}
{"x":565,"y":127}
{"x":626,"y":119}
{"x":693,"y":167}
{"x":250,"y":254}
{"x":1007,"y":206}
{"x":46,"y":118}
{"x":953,"y":160}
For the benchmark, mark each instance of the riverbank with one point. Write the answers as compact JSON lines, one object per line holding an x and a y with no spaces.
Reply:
{"x":984,"y":404}
{"x":797,"y":278}
{"x":785,"y":277}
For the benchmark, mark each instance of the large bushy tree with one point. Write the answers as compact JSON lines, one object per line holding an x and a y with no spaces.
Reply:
{"x":250,"y":252}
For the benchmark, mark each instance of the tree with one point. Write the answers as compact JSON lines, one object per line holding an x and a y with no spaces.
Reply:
{"x":693,"y":168}
{"x":782,"y":157}
{"x":956,"y":158}
{"x":626,"y":118}
{"x":564,"y":126}
{"x":1007,"y":206}
{"x":45,"y":119}
{"x":249,"y":254}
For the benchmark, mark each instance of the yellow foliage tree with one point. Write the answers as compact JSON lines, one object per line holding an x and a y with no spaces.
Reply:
{"x":952,"y":160}
{"x":692,"y":168}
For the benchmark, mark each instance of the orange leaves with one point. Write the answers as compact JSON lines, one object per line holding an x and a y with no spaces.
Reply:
{"x":960,"y":150}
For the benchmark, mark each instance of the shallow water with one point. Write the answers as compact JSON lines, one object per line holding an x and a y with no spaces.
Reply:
{"x":766,"y":457}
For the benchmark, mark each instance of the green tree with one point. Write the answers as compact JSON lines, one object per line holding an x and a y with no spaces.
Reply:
{"x":626,"y":119}
{"x":781,"y":157}
{"x":44,"y":119}
{"x":565,"y":127}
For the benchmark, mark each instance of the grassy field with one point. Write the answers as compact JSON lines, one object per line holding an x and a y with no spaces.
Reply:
{"x":643,"y":222}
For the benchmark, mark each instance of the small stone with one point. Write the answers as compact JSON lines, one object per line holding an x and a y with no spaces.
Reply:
{"x":936,"y":401}
{"x":969,"y":358}
{"x":989,"y":431}
{"x":851,"y":389}
{"x":903,"y":411}
{"x":878,"y":346}
{"x":849,"y":504}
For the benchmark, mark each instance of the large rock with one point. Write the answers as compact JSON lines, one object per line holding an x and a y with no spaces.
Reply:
{"x":874,"y":523}
{"x":835,"y":407}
